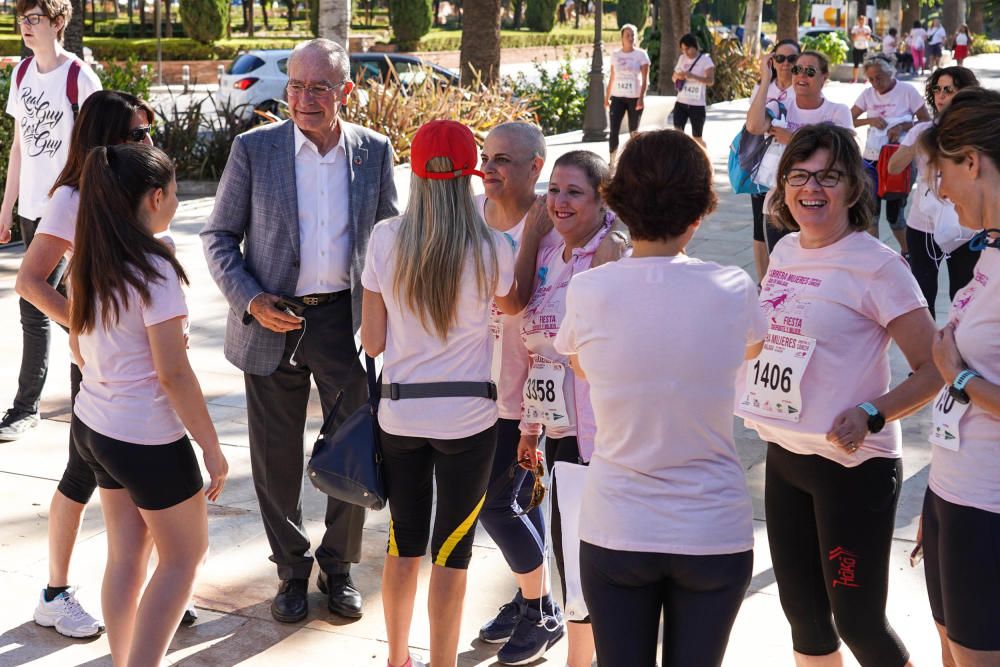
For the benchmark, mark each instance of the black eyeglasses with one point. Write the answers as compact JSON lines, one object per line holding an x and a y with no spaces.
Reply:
{"x":138,"y":134}
{"x":781,"y":58}
{"x":808,"y":70}
{"x":947,"y":90}
{"x":826,"y":178}
{"x":30,"y":19}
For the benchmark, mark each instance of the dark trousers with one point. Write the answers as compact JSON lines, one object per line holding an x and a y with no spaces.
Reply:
{"x":78,"y":482}
{"x":36,"y":333}
{"x":276,"y":407}
{"x":617,"y":109}
{"x":923,"y":251}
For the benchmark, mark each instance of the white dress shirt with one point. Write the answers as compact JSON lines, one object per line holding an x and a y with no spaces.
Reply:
{"x":322,"y":184}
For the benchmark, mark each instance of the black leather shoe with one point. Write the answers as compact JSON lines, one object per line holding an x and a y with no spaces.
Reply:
{"x":290,"y":604}
{"x":345,"y":599}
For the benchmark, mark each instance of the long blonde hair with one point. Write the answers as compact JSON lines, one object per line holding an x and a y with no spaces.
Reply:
{"x":439,"y":228}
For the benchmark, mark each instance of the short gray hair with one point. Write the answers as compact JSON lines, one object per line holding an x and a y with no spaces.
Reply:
{"x":530,"y":136}
{"x":336,"y":53}
{"x":883,"y":63}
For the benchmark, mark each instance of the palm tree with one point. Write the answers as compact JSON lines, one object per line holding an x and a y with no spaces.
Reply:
{"x":676,"y":22}
{"x":788,"y":19}
{"x":751,"y":28}
{"x":480,"y":50}
{"x":73,"y":38}
{"x":953,"y":15}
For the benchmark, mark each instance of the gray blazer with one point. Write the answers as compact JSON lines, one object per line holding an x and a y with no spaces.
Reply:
{"x":256,"y":206}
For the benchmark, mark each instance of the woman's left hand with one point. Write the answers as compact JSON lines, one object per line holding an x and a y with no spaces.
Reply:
{"x":849,"y":429}
{"x":946,"y":355}
{"x":639,"y":105}
{"x":528,"y":455}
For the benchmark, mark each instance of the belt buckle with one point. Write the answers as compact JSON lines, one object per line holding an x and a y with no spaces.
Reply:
{"x":310,"y":300}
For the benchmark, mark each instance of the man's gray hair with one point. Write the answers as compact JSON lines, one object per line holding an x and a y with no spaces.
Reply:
{"x":883,"y":62}
{"x":339,"y":59}
{"x":529,"y":135}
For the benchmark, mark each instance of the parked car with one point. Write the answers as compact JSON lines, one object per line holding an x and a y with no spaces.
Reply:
{"x":256,"y":76}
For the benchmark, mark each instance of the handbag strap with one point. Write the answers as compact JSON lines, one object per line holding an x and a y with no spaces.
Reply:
{"x":373,"y":396}
{"x":695,"y":62}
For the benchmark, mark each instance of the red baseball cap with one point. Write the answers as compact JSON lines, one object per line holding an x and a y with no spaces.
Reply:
{"x":444,"y":138}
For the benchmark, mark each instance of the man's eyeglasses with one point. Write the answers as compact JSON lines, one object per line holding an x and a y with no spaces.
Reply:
{"x":808,"y":70}
{"x":30,"y":19}
{"x":947,"y":90}
{"x":537,"y":489}
{"x":138,"y":134}
{"x":826,"y":178}
{"x":781,"y":58}
{"x":316,"y":90}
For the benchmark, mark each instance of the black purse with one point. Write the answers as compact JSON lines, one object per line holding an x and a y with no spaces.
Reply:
{"x":347,"y":464}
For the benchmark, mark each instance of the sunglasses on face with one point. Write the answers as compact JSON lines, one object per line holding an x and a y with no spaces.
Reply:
{"x":947,"y":90}
{"x":827,"y":178}
{"x":138,"y":134}
{"x":781,"y":58}
{"x":537,"y":489}
{"x":30,"y":19}
{"x":808,"y":70}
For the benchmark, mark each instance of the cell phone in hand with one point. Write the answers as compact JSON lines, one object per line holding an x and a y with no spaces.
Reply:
{"x":291,"y":305}
{"x":916,"y":555}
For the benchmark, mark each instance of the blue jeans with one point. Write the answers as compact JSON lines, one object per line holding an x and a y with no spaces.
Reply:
{"x":36,"y":334}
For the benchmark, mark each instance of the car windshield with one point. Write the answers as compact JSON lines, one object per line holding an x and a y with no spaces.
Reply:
{"x":245,"y":64}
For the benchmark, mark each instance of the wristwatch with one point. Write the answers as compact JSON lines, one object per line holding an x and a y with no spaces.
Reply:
{"x":957,"y":388}
{"x":876,"y":420}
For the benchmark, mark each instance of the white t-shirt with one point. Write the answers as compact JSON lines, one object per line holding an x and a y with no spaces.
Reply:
{"x":860,"y":36}
{"x":121,"y":396}
{"x":917,"y":38}
{"x":961,"y":39}
{"x":889,"y":45}
{"x":827,"y":112}
{"x":661,"y":340}
{"x":775,"y":93}
{"x":917,"y":215}
{"x":971,"y":476}
{"x":414,"y":354}
{"x":843,"y":296}
{"x":44,"y":116}
{"x":902,"y":100}
{"x":937,"y":36}
{"x":628,"y":72}
{"x":694,"y":92}
{"x":59,"y":219}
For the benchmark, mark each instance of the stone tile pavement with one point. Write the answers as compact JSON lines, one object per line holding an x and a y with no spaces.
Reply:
{"x":235,"y":587}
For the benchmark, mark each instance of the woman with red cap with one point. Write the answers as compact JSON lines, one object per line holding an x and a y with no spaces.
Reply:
{"x":429,"y":278}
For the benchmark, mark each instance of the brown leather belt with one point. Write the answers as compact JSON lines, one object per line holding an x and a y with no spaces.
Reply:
{"x":320,"y":299}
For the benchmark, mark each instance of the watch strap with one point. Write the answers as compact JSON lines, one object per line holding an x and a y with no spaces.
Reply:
{"x":963,"y":378}
{"x":869,"y":409}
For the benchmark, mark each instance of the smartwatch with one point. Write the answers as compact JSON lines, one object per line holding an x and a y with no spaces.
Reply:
{"x":957,"y":388}
{"x":876,"y":420}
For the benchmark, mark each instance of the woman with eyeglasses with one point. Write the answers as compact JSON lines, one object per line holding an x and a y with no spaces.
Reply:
{"x":819,"y":394}
{"x":106,"y":117}
{"x":891,"y":107}
{"x":961,"y":512}
{"x":554,"y":398}
{"x":776,"y":66}
{"x":931,"y":219}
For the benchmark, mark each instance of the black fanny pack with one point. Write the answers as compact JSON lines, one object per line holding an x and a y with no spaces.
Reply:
{"x":396,"y":391}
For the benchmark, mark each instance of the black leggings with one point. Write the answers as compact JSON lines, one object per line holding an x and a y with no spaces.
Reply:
{"x":961,"y":263}
{"x":699,"y":597}
{"x":78,"y":482}
{"x":764,"y":230}
{"x":617,"y":109}
{"x":462,"y":470}
{"x":830,"y":530}
{"x":520,"y":537}
{"x":560,"y":449}
{"x":697,"y":114}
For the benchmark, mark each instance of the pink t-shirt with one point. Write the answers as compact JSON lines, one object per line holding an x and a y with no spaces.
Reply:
{"x":413,"y":354}
{"x":971,"y":476}
{"x":59,"y":219}
{"x":843,"y":296}
{"x":121,"y":396}
{"x":902,"y":100}
{"x":661,"y":340}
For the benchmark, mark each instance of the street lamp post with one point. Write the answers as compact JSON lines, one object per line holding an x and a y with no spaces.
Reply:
{"x":595,"y":120}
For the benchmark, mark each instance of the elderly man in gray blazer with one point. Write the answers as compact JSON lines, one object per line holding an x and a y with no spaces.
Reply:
{"x":301,"y":198}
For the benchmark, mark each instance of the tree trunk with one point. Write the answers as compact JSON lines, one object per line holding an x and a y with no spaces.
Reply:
{"x":952,"y":15}
{"x":73,"y":37}
{"x":480,"y":50}
{"x":335,"y":20}
{"x":130,"y":19}
{"x":142,"y":18}
{"x":676,"y":23}
{"x":250,"y":17}
{"x":518,"y":10}
{"x":788,"y":19}
{"x":290,"y":5}
{"x":751,"y":28}
{"x":169,"y":31}
{"x":911,"y":14}
{"x":977,"y":17}
{"x":263,"y":13}
{"x":896,"y":14}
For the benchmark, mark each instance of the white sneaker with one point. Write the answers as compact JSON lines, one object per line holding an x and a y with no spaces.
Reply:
{"x":67,"y":616}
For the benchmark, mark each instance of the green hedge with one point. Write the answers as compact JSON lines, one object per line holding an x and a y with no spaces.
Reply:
{"x":540,"y":15}
{"x":410,"y":20}
{"x":452,"y":40}
{"x":176,"y":48}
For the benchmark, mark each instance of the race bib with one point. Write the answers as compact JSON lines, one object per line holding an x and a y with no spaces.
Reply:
{"x":544,"y":400}
{"x":625,"y":87}
{"x":873,"y":144}
{"x":692,"y":93}
{"x":946,"y":416}
{"x":774,"y":378}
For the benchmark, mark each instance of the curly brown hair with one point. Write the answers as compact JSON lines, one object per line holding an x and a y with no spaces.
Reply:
{"x":962,"y":77}
{"x":844,"y":156}
{"x":662,"y":185}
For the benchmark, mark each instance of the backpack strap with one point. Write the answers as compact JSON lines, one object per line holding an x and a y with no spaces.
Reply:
{"x":73,"y":87}
{"x":22,"y":69}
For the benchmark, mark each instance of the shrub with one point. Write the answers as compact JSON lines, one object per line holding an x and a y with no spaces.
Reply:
{"x":735,"y":73}
{"x":558,"y":100}
{"x":197,"y":138}
{"x":540,"y":15}
{"x":6,"y":130}
{"x":632,"y":11}
{"x":829,"y":44}
{"x":982,"y":44}
{"x":205,"y":20}
{"x":651,"y":42}
{"x":127,"y":77}
{"x":410,"y":20}
{"x":451,"y":40}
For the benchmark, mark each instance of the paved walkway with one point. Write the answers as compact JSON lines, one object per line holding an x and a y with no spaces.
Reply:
{"x":235,"y":587}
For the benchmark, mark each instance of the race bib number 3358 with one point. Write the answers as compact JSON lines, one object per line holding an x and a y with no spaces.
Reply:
{"x":773,"y":384}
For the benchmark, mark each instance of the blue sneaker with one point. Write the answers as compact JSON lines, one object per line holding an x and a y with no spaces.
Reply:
{"x":534,"y":635}
{"x":499,"y":629}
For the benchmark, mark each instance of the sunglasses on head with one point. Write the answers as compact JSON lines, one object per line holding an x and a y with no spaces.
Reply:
{"x":538,"y":487}
{"x":947,"y":90}
{"x":782,"y":58}
{"x":808,"y":70}
{"x":139,"y":134}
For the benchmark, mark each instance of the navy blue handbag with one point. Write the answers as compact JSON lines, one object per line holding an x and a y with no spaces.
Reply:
{"x":347,"y":463}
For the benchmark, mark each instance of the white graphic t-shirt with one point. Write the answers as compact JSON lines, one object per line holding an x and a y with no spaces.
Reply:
{"x":628,"y":72}
{"x":44,"y":117}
